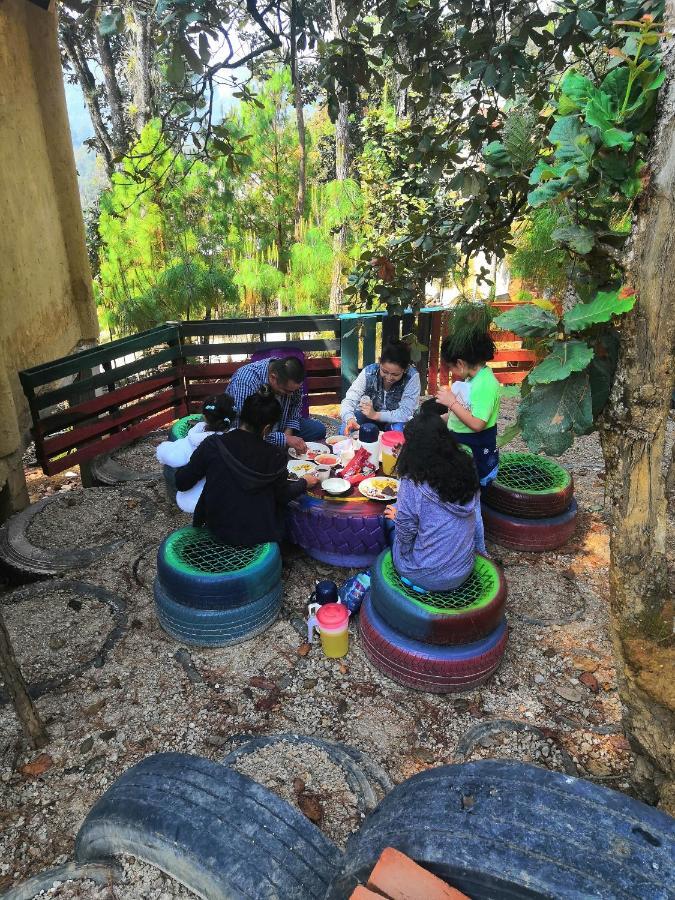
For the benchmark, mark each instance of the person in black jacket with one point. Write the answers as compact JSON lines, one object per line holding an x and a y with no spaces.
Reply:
{"x":247,"y":482}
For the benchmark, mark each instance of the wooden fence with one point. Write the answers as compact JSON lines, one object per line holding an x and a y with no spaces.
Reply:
{"x":97,"y":400}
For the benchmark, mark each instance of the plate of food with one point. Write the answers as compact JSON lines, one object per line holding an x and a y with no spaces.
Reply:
{"x":313,"y":450}
{"x":379,"y":488}
{"x":300,"y":467}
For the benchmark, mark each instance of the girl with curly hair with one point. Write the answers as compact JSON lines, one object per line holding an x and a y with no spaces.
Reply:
{"x":436,"y":511}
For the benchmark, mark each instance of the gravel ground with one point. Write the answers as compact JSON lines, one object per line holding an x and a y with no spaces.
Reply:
{"x":85,"y":518}
{"x":557,"y":676}
{"x":140,"y":455}
{"x":306,"y":777}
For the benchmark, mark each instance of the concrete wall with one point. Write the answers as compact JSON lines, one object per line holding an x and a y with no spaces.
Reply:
{"x":46,"y":304}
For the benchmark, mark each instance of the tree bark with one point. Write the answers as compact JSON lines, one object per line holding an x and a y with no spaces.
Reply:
{"x":342,"y":164}
{"x":87,"y":83}
{"x":633,"y":440}
{"x":141,"y":77}
{"x":119,"y":133}
{"x":18,"y":692}
{"x":296,"y":76}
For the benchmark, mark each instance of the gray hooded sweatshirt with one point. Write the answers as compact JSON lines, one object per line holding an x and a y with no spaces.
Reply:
{"x":434,"y":542}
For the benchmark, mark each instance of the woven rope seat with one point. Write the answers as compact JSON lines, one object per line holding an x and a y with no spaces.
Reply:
{"x":530,"y":486}
{"x":196,"y":550}
{"x":462,"y":615}
{"x":180,"y":428}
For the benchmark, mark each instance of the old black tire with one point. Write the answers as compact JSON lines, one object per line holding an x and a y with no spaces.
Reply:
{"x":214,"y":830}
{"x":498,"y":829}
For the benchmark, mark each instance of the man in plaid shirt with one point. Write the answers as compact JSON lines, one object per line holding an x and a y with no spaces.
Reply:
{"x":284,"y":377}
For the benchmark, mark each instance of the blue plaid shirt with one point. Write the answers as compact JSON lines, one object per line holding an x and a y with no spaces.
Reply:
{"x":248,"y":380}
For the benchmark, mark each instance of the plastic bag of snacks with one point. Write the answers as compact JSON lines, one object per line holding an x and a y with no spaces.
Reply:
{"x":354,"y":591}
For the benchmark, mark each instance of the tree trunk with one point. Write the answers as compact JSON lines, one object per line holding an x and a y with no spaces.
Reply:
{"x":296,"y":76}
{"x":342,"y":163}
{"x":87,"y":83}
{"x":118,"y":130}
{"x":141,"y":76}
{"x":18,"y":692}
{"x":633,"y":439}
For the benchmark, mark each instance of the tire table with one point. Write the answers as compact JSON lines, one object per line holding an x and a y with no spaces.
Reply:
{"x":341,"y":531}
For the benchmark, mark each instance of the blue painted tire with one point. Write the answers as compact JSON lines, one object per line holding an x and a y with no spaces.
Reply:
{"x":428,"y":667}
{"x":440,"y":617}
{"x":507,"y":830}
{"x":214,"y":830}
{"x":235,"y":585}
{"x":180,"y":428}
{"x":216,"y":627}
{"x":529,"y":535}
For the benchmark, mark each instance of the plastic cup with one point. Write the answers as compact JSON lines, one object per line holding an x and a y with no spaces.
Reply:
{"x":390,"y":443}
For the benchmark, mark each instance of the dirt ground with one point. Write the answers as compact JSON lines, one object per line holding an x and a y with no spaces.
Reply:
{"x":557,"y":682}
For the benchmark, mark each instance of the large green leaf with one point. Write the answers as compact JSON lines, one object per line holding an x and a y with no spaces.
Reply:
{"x":552,"y":414}
{"x":572,"y":142}
{"x":528,"y":320}
{"x":605,"y":305}
{"x":601,"y":113}
{"x":577,"y":88}
{"x":576,"y":237}
{"x":565,"y":358}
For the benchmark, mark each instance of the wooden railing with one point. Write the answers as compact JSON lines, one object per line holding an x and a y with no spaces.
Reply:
{"x":97,"y":400}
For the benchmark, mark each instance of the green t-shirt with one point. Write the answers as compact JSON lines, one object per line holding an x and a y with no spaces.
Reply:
{"x":480,"y":395}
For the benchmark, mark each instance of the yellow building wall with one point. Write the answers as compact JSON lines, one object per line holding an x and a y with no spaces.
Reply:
{"x":46,"y":303}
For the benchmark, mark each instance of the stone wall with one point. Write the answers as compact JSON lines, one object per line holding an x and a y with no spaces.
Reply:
{"x":46,"y":304}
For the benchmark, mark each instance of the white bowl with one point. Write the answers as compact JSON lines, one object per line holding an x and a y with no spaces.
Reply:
{"x":336,"y":486}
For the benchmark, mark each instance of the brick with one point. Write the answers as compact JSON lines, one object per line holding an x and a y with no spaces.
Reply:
{"x":399,"y":878}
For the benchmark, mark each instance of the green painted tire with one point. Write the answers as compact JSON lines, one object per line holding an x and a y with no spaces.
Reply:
{"x":529,"y":486}
{"x":180,"y":428}
{"x":198,"y":571}
{"x":467,"y":614}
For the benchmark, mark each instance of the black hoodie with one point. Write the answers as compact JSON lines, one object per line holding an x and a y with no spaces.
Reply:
{"x":246,"y":488}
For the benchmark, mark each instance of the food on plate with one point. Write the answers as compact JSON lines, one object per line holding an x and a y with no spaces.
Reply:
{"x":379,"y":488}
{"x":313,"y":450}
{"x":301,"y":467}
{"x":325,"y":459}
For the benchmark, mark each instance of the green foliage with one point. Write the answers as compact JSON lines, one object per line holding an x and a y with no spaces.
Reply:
{"x":534,"y":258}
{"x":552,"y":414}
{"x":565,"y":358}
{"x":528,"y":320}
{"x":605,"y":305}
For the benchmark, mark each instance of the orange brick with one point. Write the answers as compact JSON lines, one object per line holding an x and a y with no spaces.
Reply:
{"x":399,"y":878}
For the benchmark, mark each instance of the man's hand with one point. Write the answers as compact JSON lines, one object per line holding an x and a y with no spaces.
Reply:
{"x":352,"y":425}
{"x":296,"y":443}
{"x":311,"y":480}
{"x":390,"y":512}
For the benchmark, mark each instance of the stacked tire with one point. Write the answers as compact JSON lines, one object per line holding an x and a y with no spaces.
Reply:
{"x":530,"y":506}
{"x":209,"y":594}
{"x":436,"y":641}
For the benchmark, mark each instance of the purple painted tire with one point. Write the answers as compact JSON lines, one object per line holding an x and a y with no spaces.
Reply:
{"x":349,"y":535}
{"x":429,"y":667}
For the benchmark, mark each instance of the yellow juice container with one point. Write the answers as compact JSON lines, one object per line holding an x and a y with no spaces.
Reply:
{"x":391,"y":443}
{"x":332,"y":622}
